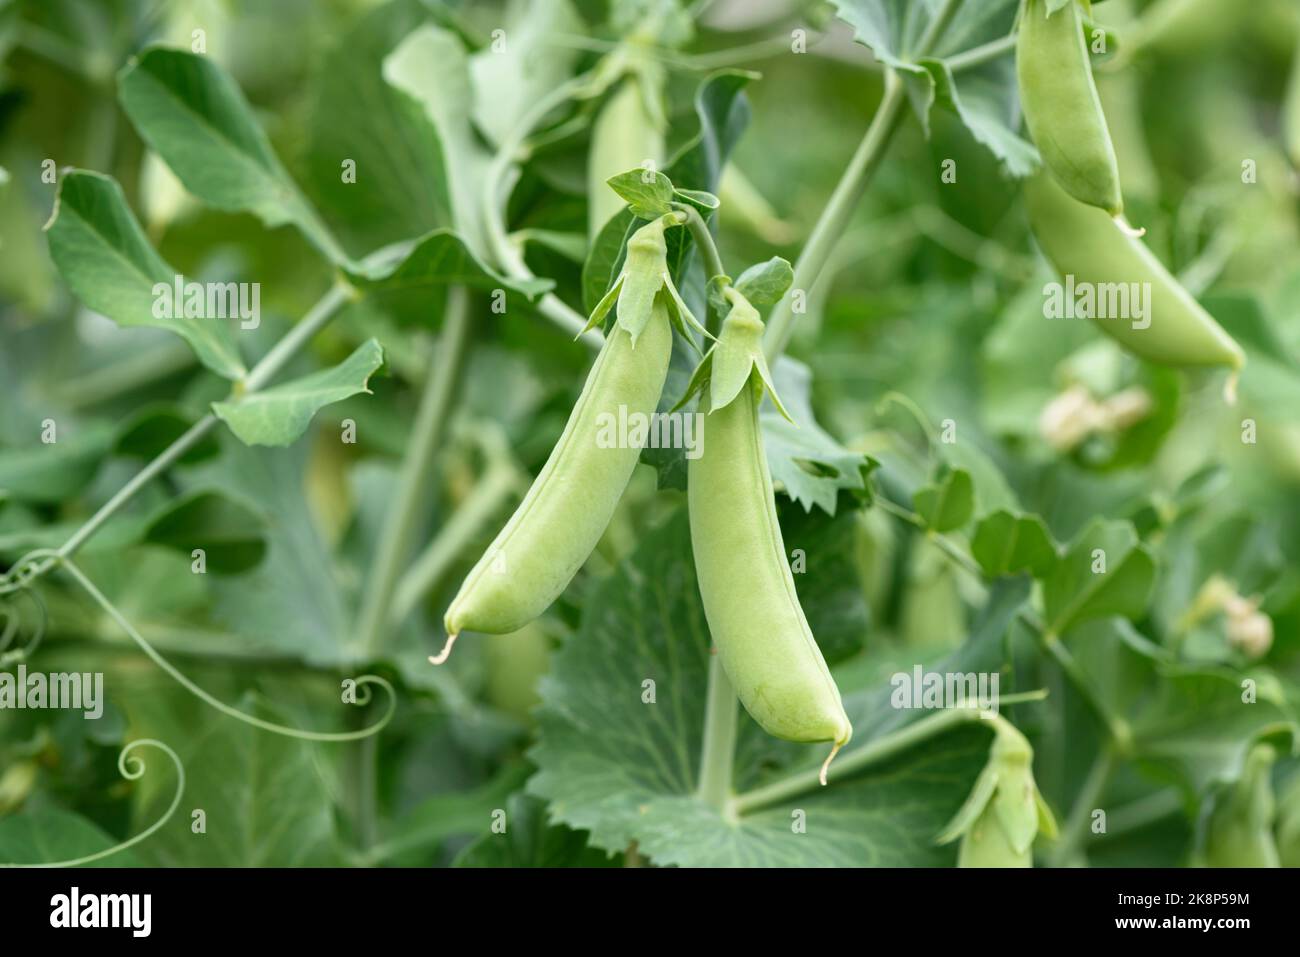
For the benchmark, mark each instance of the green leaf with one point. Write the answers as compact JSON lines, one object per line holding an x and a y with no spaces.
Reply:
{"x":46,"y":835}
{"x":605,"y":257}
{"x":430,"y":66}
{"x":281,"y":414}
{"x":529,"y":841}
{"x":948,"y":503}
{"x":453,"y":814}
{"x":438,"y":258}
{"x":807,"y":463}
{"x":704,"y":201}
{"x":765,"y":283}
{"x":1105,"y":572}
{"x":648,"y":193}
{"x":231,"y":534}
{"x":196,"y":118}
{"x":53,"y":472}
{"x":1008,"y":544}
{"x":510,"y":79}
{"x":103,"y":255}
{"x":266,"y":797}
{"x":626,"y":771}
{"x":148,"y":433}
{"x":401,"y":182}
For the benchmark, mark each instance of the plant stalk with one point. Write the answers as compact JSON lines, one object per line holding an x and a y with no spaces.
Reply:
{"x":406,"y":509}
{"x":718,"y":754}
{"x":839,"y":210}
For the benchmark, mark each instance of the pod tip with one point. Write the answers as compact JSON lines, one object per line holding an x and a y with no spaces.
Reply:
{"x":443,"y":655}
{"x":1230,"y":387}
{"x":835,"y":749}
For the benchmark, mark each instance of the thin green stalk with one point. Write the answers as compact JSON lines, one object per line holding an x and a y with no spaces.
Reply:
{"x":703,"y":240}
{"x":978,"y":56}
{"x":1116,"y":728}
{"x":839,"y":210}
{"x":937,"y":27}
{"x":860,"y":758}
{"x":266,"y":369}
{"x":495,"y":194}
{"x":406,"y":509}
{"x":718,"y":754}
{"x":1076,"y":825}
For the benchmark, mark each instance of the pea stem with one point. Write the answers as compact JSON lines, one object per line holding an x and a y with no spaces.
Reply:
{"x":494,"y":197}
{"x":703,"y":240}
{"x":270,"y":364}
{"x":873,"y":752}
{"x":835,"y":217}
{"x":1076,"y":825}
{"x":978,"y":56}
{"x":406,"y":509}
{"x":717,"y":756}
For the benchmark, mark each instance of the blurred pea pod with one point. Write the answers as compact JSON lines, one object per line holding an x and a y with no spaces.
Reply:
{"x":628,"y":132}
{"x":1005,"y":811}
{"x":1061,"y":105}
{"x":1087,"y":245}
{"x":1239,"y":830}
{"x":1291,"y":112}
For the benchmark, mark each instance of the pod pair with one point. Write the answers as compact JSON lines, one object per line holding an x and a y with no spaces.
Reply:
{"x":758,"y":627}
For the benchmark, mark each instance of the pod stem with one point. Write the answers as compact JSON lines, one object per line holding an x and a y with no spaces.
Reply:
{"x":443,"y":655}
{"x":718,"y":752}
{"x":826,"y":765}
{"x":1127,"y":228}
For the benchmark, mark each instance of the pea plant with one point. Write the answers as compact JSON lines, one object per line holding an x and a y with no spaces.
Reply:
{"x":680,"y":433}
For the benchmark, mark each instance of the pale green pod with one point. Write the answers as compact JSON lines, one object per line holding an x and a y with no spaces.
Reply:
{"x":986,"y":844}
{"x":754,"y":616}
{"x":570,"y":503}
{"x":1061,"y":106}
{"x":1291,"y":112}
{"x":1086,"y":244}
{"x":624,"y":136}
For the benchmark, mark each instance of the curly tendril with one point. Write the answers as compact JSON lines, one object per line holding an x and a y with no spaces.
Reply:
{"x":27,"y":569}
{"x":362,"y":682}
{"x":12,"y":623}
{"x":132,"y":768}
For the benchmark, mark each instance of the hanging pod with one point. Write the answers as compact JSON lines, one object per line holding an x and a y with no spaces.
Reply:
{"x":1061,"y":106}
{"x":758,"y":627}
{"x":627,"y":133}
{"x":570,"y":503}
{"x":1087,"y":246}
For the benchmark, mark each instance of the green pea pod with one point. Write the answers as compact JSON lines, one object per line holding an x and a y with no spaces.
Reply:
{"x":1061,"y":105}
{"x":1239,"y":832}
{"x":1088,"y":246}
{"x":1291,"y":112}
{"x":626,"y":134}
{"x":570,"y":503}
{"x":757,"y":624}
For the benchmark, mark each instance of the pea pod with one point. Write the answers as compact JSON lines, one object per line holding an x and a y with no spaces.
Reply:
{"x":1061,"y":105}
{"x":1005,"y":812}
{"x":757,"y":624}
{"x":570,"y":503}
{"x":1086,"y":244}
{"x":1291,"y":112}
{"x":626,"y":134}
